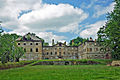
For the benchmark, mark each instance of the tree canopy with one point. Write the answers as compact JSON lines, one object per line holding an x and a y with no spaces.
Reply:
{"x":110,"y":33}
{"x":77,"y":41}
{"x":9,"y":51}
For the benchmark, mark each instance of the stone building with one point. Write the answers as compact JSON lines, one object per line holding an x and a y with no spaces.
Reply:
{"x":34,"y":50}
{"x":32,"y":46}
{"x":92,"y":50}
{"x":60,"y":50}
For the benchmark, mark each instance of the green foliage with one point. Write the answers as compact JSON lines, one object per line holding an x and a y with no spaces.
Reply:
{"x":45,"y":44}
{"x":77,"y":41}
{"x":33,"y":34}
{"x":9,"y":51}
{"x":15,"y":64}
{"x":110,"y":33}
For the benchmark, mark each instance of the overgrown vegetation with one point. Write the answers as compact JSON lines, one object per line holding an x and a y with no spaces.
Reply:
{"x":109,"y":35}
{"x":15,"y":64}
{"x":80,"y":62}
{"x":77,"y":41}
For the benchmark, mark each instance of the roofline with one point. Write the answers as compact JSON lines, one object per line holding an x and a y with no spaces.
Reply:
{"x":29,"y":41}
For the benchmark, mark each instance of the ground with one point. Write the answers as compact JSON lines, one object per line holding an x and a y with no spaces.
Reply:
{"x":62,"y":72}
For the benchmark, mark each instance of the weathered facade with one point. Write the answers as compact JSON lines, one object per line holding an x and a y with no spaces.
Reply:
{"x":92,"y":50}
{"x":60,"y":50}
{"x":34,"y":50}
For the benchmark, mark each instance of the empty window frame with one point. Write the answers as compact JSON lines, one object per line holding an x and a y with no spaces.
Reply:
{"x":31,"y":50}
{"x":90,"y":49}
{"x":55,"y":53}
{"x":36,"y":49}
{"x":51,"y":53}
{"x":24,"y":49}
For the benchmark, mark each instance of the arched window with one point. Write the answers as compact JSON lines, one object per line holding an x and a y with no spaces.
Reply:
{"x":24,"y":49}
{"x":55,"y":53}
{"x":31,"y":50}
{"x":36,"y":49}
{"x":47,"y":53}
{"x":90,"y":49}
{"x":51,"y":53}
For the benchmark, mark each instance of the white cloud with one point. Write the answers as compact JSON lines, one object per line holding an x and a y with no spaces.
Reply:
{"x":61,"y":17}
{"x":43,"y":16}
{"x":92,"y":29}
{"x":69,"y":28}
{"x":99,"y":10}
{"x":48,"y":36}
{"x":53,"y":17}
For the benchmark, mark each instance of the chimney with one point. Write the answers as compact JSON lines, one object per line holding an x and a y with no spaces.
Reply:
{"x":65,"y":42}
{"x":52,"y":42}
{"x":72,"y":42}
{"x":95,"y":42}
{"x":91,"y":39}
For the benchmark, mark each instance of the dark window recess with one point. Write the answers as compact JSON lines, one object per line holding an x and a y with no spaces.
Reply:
{"x":51,"y":53}
{"x":96,"y":49}
{"x":59,"y":53}
{"x":18,"y":43}
{"x":36,"y":49}
{"x":55,"y":53}
{"x":36,"y":43}
{"x":64,"y":53}
{"x":24,"y":43}
{"x":31,"y":50}
{"x":30,"y":43}
{"x":24,"y":50}
{"x":60,"y":44}
{"x":90,"y":49}
{"x":76,"y":54}
{"x":47,"y":53}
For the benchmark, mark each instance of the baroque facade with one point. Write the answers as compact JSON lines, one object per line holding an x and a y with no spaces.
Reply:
{"x":34,"y":49}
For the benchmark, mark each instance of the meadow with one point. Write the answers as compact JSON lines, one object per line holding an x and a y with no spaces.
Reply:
{"x":62,"y":72}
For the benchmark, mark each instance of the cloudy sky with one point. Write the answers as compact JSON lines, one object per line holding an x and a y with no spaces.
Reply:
{"x":61,"y":20}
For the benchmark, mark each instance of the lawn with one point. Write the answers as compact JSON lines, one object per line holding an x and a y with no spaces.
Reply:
{"x":62,"y":72}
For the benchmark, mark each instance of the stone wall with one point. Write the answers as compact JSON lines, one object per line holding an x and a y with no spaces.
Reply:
{"x":66,"y":63}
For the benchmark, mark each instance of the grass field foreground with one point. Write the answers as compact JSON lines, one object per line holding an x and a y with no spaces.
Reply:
{"x":62,"y":72}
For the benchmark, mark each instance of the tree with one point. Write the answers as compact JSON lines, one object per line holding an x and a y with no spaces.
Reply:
{"x":77,"y":41}
{"x":8,"y":48}
{"x":45,"y":44}
{"x":110,"y":33}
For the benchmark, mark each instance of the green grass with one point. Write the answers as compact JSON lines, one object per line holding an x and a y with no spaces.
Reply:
{"x":62,"y":72}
